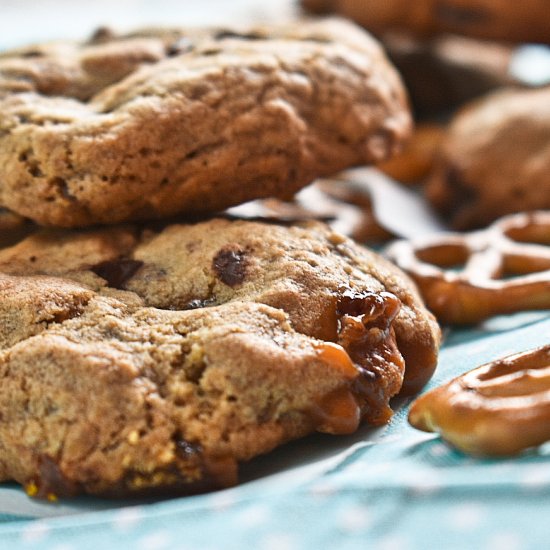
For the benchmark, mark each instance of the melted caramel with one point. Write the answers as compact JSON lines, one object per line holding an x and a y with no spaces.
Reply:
{"x":337,"y":412}
{"x":221,"y":470}
{"x":365,"y":332}
{"x":337,"y":357}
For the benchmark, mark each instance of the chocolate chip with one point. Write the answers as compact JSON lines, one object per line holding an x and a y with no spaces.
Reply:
{"x":198,"y":303}
{"x":223,"y":34}
{"x":32,"y":54}
{"x":182,"y":45}
{"x":117,"y":272}
{"x":34,"y":170}
{"x":52,"y":481}
{"x":102,"y":34}
{"x":355,"y":303}
{"x":187,"y":450}
{"x":230,"y":266}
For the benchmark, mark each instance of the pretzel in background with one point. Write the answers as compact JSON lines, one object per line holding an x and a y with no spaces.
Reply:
{"x":467,"y":278}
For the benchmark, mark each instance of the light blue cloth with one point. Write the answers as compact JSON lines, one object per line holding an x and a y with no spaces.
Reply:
{"x":390,"y":488}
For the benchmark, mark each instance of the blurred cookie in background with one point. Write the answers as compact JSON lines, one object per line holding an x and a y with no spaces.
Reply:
{"x":495,"y":159}
{"x":443,"y":73}
{"x":416,"y":161}
{"x":526,"y":21}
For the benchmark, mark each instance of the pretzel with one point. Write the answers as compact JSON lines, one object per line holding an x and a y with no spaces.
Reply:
{"x":344,"y":205}
{"x":415,"y":162}
{"x":498,"y":409}
{"x":506,"y":268}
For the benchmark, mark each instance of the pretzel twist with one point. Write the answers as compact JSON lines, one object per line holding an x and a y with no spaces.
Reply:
{"x":498,"y":409}
{"x":504,"y":269}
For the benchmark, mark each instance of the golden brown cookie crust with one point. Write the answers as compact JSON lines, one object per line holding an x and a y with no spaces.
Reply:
{"x":163,"y":122}
{"x":203,"y":346}
{"x":495,"y":159}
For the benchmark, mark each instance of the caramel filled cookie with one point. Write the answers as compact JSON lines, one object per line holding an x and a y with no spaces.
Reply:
{"x":495,"y":159}
{"x":526,"y":21}
{"x":156,"y":123}
{"x":140,"y":361}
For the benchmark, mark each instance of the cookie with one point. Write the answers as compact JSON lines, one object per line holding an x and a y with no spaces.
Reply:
{"x":156,"y":123}
{"x":494,"y":160}
{"x":491,"y":19}
{"x":139,"y":361}
{"x":446,"y":71}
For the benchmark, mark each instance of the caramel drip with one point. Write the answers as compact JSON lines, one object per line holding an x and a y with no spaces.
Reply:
{"x":337,"y":357}
{"x":221,"y":470}
{"x":337,"y":412}
{"x":366,"y":333}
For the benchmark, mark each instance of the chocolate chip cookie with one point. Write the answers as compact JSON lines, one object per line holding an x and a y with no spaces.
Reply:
{"x":146,"y":360}
{"x":161,"y":122}
{"x":495,"y":159}
{"x":526,"y":21}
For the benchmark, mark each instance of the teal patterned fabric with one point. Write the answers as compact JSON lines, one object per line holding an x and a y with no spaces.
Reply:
{"x":391,"y":488}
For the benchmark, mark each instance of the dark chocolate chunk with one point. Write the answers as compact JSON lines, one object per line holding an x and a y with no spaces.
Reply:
{"x":52,"y":482}
{"x":230,"y":266}
{"x":117,"y":272}
{"x":223,"y":34}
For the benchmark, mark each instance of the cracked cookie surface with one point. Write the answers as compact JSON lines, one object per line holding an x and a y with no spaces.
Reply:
{"x":136,"y":360}
{"x":156,"y":123}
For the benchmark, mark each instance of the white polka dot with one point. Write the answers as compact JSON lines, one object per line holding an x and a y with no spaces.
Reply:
{"x":439,"y":449}
{"x":466,"y":516}
{"x":253,"y":516}
{"x":505,"y":541}
{"x":35,"y":532}
{"x":155,"y":541}
{"x":222,"y":501}
{"x":393,"y":542}
{"x":423,"y":482}
{"x":323,"y":490}
{"x":355,"y":518}
{"x":278,"y":541}
{"x":535,"y":477}
{"x":127,"y":518}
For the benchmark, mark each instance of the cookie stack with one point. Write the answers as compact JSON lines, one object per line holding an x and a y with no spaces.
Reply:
{"x":143,"y":353}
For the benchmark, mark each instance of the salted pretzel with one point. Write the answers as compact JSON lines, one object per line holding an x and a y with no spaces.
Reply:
{"x":466,"y":278}
{"x":498,"y":409}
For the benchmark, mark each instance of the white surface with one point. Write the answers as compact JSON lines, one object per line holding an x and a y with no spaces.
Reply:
{"x":26,"y":21}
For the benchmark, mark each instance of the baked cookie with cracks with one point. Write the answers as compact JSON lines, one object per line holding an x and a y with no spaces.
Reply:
{"x":140,"y":361}
{"x":161,"y":122}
